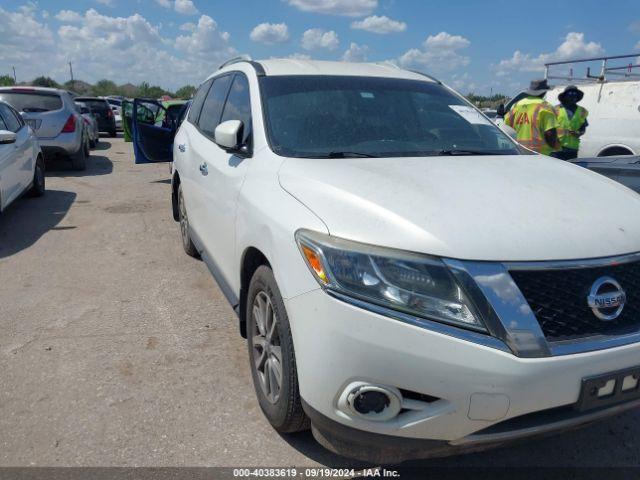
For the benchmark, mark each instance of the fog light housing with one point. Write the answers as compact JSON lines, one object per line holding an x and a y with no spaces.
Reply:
{"x":371,"y":401}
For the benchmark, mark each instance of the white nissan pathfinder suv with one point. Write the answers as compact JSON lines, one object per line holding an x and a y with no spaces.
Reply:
{"x":410,"y":281}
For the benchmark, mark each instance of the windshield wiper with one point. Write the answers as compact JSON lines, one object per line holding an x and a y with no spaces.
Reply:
{"x":350,"y":155}
{"x":338,"y":155}
{"x":34,"y":110}
{"x":464,"y":151}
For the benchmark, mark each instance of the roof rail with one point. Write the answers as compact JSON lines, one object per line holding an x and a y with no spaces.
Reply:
{"x":604,"y":70}
{"x":241,"y":58}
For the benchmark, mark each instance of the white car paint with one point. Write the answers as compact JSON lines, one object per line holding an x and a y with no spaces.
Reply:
{"x":17,"y":164}
{"x":488,"y":209}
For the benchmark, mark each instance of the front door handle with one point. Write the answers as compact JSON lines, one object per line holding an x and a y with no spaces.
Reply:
{"x":182,"y":147}
{"x":203,"y":169}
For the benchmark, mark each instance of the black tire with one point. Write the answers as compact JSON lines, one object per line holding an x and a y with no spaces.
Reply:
{"x":113,"y":133}
{"x":189,"y":248}
{"x":282,"y":405}
{"x":92,"y":143}
{"x":38,"y":187}
{"x":79,"y":159}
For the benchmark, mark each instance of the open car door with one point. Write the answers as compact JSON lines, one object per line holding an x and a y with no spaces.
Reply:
{"x":152,"y":131}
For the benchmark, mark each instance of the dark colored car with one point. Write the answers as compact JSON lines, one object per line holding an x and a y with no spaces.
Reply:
{"x":103,"y":113}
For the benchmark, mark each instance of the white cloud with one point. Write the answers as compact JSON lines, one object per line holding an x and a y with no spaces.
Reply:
{"x":348,"y":8}
{"x":446,"y":41}
{"x":26,"y":43}
{"x":270,"y":33}
{"x":355,"y":53}
{"x":134,"y":49}
{"x":382,"y":25}
{"x":206,"y":41}
{"x":108,"y":3}
{"x":316,"y":38}
{"x":439,"y":53}
{"x":68,"y":16}
{"x":573,"y":46}
{"x":186,"y":7}
{"x":299,"y":56}
{"x":164,"y":3}
{"x":188,"y":27}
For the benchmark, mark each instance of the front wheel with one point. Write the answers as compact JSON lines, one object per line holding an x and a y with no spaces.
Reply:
{"x":189,"y":248}
{"x":271,"y":355}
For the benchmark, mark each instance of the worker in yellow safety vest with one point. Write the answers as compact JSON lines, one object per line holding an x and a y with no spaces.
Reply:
{"x":572,"y":122}
{"x":534,"y":120}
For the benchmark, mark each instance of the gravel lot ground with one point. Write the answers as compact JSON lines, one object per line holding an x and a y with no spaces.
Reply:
{"x":119,"y":350}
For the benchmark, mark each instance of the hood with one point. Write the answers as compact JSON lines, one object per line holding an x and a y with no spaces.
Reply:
{"x":504,"y":208}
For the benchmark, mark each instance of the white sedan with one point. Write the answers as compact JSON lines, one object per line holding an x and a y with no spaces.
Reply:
{"x":21,"y":161}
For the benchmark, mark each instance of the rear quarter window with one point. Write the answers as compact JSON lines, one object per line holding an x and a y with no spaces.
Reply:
{"x":32,"y":101}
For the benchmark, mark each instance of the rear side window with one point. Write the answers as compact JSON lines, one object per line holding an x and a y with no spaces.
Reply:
{"x":238,"y":106}
{"x":32,"y":101}
{"x":212,"y":107}
{"x":3,"y":126}
{"x":12,"y":123}
{"x":95,"y":105}
{"x":198,"y":100}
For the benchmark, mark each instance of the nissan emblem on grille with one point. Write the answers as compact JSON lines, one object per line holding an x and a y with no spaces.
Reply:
{"x":606,"y":298}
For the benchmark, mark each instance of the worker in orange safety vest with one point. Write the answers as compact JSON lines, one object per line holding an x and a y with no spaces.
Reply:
{"x":534,"y":120}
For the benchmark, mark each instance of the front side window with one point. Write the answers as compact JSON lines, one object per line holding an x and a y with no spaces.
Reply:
{"x":212,"y":107}
{"x":327,"y":116}
{"x":198,"y":100}
{"x":238,"y":106}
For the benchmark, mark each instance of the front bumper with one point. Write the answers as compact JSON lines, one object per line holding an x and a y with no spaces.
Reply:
{"x":478,"y":386}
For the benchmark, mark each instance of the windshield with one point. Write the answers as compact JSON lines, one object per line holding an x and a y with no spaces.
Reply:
{"x":32,"y":102}
{"x":335,"y":116}
{"x":95,"y":105}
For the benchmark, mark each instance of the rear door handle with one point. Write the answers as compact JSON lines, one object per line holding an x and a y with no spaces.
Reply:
{"x":203,"y":169}
{"x":182,"y":147}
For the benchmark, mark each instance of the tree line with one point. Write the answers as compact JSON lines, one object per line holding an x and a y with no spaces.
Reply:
{"x":104,"y":87}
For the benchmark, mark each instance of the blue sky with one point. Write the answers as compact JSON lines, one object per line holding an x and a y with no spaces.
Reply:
{"x":472,"y":45}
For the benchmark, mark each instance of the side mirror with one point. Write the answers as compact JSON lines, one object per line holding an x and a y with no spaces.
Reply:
{"x":500,"y":111}
{"x":228,"y":135}
{"x":7,"y":137}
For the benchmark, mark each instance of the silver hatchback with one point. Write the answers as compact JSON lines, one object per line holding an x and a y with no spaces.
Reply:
{"x":53,"y":116}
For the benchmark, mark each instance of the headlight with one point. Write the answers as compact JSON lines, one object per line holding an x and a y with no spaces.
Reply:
{"x":418,"y":285}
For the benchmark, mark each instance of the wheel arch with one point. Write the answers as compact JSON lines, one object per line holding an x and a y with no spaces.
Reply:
{"x":615,"y":149}
{"x":252,"y":258}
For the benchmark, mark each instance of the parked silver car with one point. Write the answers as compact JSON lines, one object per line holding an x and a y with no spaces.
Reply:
{"x":53,"y":116}
{"x":90,"y":123}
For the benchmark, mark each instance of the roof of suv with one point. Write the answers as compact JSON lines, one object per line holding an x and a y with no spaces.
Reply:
{"x":286,"y":66}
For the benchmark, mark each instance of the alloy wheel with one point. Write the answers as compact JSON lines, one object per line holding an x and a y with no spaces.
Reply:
{"x":184,"y":221}
{"x":267,"y":353}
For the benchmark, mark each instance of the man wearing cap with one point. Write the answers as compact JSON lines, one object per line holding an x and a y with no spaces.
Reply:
{"x":572,"y":122}
{"x":534,"y":120}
